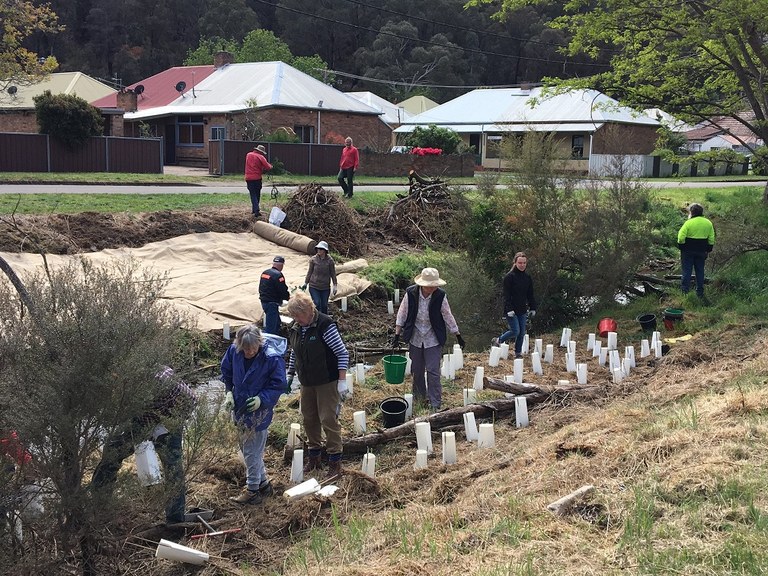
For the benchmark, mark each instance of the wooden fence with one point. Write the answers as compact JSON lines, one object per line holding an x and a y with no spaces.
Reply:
{"x":41,"y":153}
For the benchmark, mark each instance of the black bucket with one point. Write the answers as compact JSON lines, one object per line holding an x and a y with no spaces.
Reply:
{"x":647,"y":322}
{"x":393,"y":411}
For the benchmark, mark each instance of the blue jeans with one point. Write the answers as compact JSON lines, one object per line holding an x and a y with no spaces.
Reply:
{"x":516,"y":331}
{"x":320,"y":298}
{"x":254,"y":189}
{"x":346,"y":178}
{"x":692,"y":262}
{"x":252,"y":443}
{"x":272,"y":317}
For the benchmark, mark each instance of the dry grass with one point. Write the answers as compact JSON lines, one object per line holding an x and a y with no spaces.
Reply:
{"x":677,"y":455}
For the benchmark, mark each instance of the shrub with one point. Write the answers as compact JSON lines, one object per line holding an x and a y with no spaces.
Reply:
{"x":67,"y":118}
{"x":760,"y":161}
{"x":73,"y":367}
{"x":434,"y":137}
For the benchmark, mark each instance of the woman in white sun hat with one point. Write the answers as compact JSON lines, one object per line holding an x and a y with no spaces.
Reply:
{"x":424,"y":320}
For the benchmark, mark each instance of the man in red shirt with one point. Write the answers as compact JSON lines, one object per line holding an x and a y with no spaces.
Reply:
{"x":255,"y":165}
{"x":348,"y":164}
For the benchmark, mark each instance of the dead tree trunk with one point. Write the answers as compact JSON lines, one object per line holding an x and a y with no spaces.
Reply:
{"x":496,"y":409}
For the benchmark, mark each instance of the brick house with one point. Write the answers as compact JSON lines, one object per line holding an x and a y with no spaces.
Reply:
{"x":585,"y":123}
{"x":192,"y":105}
{"x":17,"y":106}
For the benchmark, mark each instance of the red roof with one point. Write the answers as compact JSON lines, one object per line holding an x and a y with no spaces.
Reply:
{"x":160,"y":89}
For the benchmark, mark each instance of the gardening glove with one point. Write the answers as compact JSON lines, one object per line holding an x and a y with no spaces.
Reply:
{"x":531,"y":313}
{"x":334,"y":290}
{"x":252,"y":404}
{"x":289,"y":381}
{"x":343,"y":390}
{"x":396,"y":341}
{"x":303,"y":287}
{"x":511,"y":314}
{"x":229,"y":402}
{"x":460,"y":340}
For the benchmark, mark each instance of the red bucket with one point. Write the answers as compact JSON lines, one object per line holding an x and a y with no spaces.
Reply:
{"x":606,"y":325}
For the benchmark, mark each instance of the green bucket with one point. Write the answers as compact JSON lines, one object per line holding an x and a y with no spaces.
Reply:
{"x":394,"y":368}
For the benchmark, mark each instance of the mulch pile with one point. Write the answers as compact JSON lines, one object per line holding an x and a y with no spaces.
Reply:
{"x":426,"y":215}
{"x":322,"y":215}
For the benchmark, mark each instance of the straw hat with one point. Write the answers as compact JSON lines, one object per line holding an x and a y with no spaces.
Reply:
{"x":429,"y":277}
{"x":260,"y":148}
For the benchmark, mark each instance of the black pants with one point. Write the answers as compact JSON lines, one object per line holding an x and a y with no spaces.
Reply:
{"x":121,"y":445}
{"x":346,"y":179}
{"x":254,"y":189}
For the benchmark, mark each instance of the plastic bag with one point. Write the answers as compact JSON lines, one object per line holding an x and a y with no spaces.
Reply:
{"x":276,"y":216}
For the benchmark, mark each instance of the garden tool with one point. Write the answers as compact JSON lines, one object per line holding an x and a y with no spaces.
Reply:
{"x":211,"y":530}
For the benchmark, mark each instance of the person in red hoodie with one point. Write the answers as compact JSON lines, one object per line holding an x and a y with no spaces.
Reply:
{"x":255,"y":165}
{"x":350,"y":159}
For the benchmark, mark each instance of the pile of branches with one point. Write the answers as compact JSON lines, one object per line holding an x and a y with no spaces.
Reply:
{"x":425,"y":215}
{"x":322,"y":215}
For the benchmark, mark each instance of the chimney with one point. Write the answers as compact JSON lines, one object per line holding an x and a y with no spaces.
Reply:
{"x":127,"y":100}
{"x":223,"y":58}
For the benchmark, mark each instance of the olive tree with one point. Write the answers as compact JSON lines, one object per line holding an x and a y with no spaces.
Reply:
{"x":79,"y":349}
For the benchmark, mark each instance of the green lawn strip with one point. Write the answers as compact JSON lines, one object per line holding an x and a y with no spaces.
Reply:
{"x":170,"y":179}
{"x":75,"y":203}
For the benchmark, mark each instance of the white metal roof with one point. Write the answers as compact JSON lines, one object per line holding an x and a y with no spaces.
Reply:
{"x":231,"y":87}
{"x":510,"y":109}
{"x":514,"y":127}
{"x":392,"y":114}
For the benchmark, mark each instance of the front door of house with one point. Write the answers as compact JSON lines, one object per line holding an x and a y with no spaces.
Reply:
{"x":170,"y":143}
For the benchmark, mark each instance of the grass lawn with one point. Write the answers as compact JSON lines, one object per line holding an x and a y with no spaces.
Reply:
{"x":117,"y":178}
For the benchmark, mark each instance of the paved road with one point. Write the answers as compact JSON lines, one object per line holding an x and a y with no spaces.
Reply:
{"x":229,"y":187}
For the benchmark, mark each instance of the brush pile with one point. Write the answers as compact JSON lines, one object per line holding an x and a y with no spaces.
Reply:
{"x":322,"y":215}
{"x":426,"y":215}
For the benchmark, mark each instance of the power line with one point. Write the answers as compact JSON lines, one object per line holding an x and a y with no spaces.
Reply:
{"x":409,"y":84}
{"x":386,"y":33}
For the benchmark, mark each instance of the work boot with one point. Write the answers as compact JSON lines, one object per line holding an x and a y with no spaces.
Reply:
{"x":247,"y":497}
{"x":266,"y":490}
{"x":334,"y":469}
{"x":314,"y":462}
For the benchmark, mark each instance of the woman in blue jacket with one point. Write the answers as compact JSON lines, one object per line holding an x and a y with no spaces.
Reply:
{"x":253,"y":370}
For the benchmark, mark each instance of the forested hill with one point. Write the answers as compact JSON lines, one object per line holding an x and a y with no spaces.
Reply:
{"x":406,"y":43}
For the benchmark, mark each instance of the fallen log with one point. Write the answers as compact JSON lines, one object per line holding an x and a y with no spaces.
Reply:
{"x":438,"y":421}
{"x":496,"y":409}
{"x":533,"y":392}
{"x":563,"y":505}
{"x":655,"y":279}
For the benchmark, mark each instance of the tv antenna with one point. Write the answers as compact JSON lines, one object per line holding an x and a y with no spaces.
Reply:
{"x":180,"y":86}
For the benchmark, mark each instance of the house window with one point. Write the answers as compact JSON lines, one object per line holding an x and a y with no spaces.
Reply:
{"x":493,"y":146}
{"x":218,"y":133}
{"x":577,"y":146}
{"x":190,"y":130}
{"x":306,"y":134}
